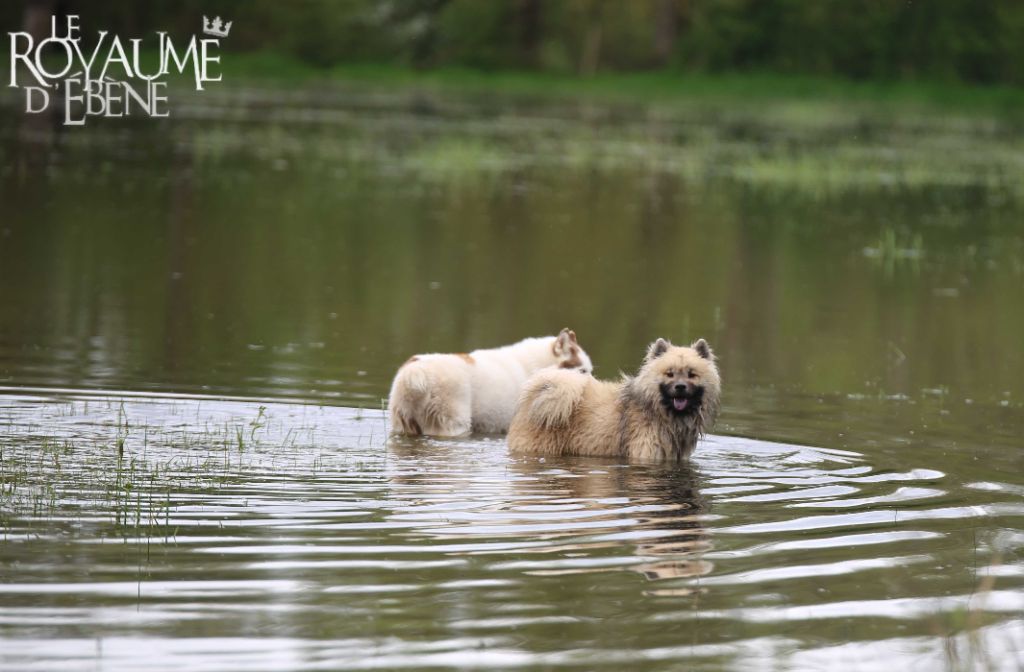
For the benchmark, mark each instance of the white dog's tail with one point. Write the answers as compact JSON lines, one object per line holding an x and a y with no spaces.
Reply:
{"x":551,"y":396}
{"x":409,"y":394}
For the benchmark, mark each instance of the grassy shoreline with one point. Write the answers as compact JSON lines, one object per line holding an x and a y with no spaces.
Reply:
{"x":661,"y":87}
{"x":655,"y":87}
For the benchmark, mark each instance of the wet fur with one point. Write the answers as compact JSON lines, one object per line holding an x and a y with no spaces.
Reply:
{"x":562,"y":412}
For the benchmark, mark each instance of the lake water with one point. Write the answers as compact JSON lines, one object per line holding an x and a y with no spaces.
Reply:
{"x":198,"y":324}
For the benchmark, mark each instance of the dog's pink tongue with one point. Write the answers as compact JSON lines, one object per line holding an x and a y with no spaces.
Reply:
{"x":680,"y":404}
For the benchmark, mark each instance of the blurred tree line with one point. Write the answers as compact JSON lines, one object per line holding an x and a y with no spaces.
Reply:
{"x":978,"y":41}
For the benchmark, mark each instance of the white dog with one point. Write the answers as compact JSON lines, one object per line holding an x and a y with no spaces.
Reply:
{"x":453,"y":394}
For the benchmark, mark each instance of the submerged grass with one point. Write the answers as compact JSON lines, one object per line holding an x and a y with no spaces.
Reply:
{"x":816,"y":162}
{"x":133,"y":476}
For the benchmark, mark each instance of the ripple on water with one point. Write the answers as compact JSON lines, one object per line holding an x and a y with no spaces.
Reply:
{"x":340,"y":549}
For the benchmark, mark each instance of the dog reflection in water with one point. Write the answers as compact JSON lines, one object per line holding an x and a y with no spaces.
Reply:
{"x":662,"y":506}
{"x":653,"y":511}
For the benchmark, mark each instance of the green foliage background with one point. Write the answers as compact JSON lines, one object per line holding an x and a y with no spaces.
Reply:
{"x":943,"y":40}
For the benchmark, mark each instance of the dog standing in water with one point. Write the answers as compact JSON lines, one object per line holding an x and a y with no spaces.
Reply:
{"x":453,"y":394}
{"x":656,"y":415}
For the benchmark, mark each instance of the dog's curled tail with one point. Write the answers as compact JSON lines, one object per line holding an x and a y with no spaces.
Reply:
{"x":551,"y":396}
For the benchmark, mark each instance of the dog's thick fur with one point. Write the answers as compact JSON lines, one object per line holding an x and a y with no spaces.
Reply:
{"x":657,"y":415}
{"x":453,"y":394}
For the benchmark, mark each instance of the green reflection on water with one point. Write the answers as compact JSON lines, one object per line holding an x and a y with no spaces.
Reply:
{"x":310,"y":256}
{"x":859,"y":298}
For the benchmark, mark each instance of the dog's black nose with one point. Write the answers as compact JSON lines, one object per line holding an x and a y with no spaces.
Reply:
{"x":680,"y":388}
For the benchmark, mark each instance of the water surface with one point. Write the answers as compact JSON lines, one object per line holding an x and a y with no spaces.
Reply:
{"x":859,"y":275}
{"x":232,"y":534}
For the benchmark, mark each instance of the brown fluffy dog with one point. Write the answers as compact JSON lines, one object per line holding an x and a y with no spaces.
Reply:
{"x":656,"y":415}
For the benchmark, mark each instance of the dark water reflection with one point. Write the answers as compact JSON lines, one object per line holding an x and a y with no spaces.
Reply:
{"x":863,"y":291}
{"x":309,"y":261}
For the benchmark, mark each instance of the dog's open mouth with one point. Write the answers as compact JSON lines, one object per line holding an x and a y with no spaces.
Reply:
{"x":682,"y":403}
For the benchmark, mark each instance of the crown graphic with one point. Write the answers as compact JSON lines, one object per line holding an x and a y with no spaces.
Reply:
{"x":217,"y":28}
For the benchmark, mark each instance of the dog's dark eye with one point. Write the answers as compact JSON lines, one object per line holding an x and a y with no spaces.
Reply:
{"x":691,"y":374}
{"x":670,"y":373}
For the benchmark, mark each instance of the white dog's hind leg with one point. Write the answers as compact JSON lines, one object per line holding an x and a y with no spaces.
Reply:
{"x":448,"y":411}
{"x":409,"y":391}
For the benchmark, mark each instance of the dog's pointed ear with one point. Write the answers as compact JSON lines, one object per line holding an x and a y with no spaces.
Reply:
{"x":657,"y":349}
{"x":703,"y":349}
{"x":564,"y":342}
